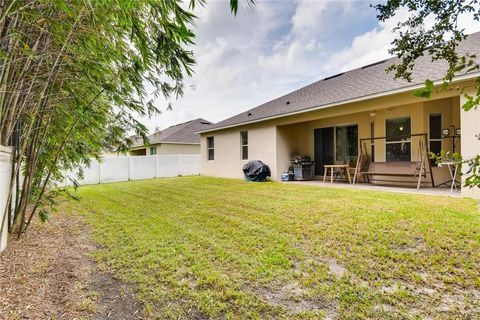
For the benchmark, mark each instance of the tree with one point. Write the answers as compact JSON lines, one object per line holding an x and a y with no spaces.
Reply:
{"x":440,"y":42}
{"x":71,"y":74}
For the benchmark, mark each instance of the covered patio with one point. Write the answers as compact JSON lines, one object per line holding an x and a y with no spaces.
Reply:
{"x":385,"y":148}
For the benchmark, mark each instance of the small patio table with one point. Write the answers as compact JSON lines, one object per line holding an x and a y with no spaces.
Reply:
{"x":332,"y":168}
{"x":453,"y":169}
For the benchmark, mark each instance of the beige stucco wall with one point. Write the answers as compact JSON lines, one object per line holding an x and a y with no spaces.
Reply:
{"x":138,"y":152}
{"x":470,"y":128}
{"x":228,"y":162}
{"x":168,"y":148}
{"x":113,"y":154}
{"x":171,"y":148}
{"x":291,"y":140}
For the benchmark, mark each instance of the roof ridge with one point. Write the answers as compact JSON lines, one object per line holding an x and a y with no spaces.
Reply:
{"x":333,"y":76}
{"x":170,"y":132}
{"x":177,"y":126}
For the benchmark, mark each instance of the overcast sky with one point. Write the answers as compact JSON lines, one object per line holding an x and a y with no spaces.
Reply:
{"x":280,"y":46}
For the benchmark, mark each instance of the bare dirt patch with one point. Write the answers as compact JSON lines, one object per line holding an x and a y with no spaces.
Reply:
{"x":48,"y":274}
{"x":335,"y":268}
{"x":295,"y":299}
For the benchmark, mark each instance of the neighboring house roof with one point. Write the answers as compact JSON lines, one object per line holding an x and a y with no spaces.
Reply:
{"x":182,"y":133}
{"x":363,"y":82}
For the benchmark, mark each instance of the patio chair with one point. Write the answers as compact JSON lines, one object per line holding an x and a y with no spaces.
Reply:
{"x":361,"y":165}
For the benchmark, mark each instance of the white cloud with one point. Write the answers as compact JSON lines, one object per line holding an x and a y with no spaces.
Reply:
{"x":466,"y":21}
{"x":368,"y":47}
{"x":374,"y":45}
{"x":307,"y":15}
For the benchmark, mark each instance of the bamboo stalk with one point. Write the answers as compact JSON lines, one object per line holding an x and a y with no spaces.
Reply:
{"x":54,"y":162}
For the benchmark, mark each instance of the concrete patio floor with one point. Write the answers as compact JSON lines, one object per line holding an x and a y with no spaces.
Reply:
{"x":439,"y":191}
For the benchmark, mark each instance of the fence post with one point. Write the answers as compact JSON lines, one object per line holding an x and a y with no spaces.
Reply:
{"x":179,"y":165}
{"x":5,"y":176}
{"x":99,"y":172}
{"x":129,"y":169}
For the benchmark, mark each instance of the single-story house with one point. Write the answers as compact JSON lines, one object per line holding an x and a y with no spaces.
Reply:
{"x":178,"y":139}
{"x":364,"y":110}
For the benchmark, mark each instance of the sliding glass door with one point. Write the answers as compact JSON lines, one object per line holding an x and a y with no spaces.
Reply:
{"x":335,"y":145}
{"x":323,"y":148}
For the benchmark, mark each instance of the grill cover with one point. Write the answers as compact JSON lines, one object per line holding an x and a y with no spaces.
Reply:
{"x":256,"y":170}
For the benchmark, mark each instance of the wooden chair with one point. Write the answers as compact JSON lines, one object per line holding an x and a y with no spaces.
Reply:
{"x":361,"y":165}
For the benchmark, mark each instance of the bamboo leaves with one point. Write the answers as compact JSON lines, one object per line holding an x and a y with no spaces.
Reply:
{"x":72,"y":72}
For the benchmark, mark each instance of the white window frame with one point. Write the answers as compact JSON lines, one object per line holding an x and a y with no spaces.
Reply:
{"x":211,"y":148}
{"x":153,"y":148}
{"x":409,"y":140}
{"x":242,"y":155}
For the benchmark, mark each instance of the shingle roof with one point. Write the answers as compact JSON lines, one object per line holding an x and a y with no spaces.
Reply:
{"x":185,"y":132}
{"x":354,"y":84}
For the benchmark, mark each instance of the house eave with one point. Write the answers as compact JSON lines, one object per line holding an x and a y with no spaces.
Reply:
{"x":336,"y":104}
{"x":163,"y":142}
{"x":173,"y":142}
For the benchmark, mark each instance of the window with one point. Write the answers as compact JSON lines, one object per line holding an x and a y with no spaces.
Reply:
{"x":346,"y":143}
{"x":435,"y":132}
{"x":153,"y":150}
{"x":244,"y":144}
{"x":210,"y":148}
{"x":398,"y":144}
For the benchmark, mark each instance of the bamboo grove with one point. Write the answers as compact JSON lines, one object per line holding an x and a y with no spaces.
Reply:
{"x":72,"y":73}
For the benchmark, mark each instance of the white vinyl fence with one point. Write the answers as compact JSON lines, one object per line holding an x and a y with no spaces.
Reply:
{"x":137,"y":167}
{"x":5,"y":175}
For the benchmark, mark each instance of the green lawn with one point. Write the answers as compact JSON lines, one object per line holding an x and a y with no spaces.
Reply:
{"x":201,"y":247}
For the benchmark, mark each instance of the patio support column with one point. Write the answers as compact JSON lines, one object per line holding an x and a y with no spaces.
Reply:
{"x":470,"y":143}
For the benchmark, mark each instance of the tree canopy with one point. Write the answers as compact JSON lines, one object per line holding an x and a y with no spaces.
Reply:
{"x":439,"y":40}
